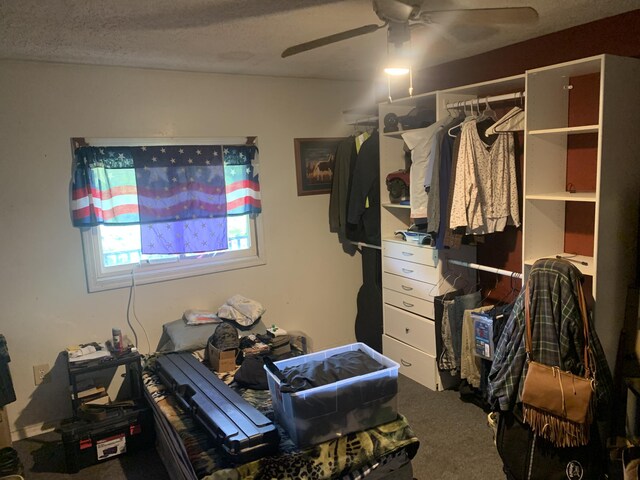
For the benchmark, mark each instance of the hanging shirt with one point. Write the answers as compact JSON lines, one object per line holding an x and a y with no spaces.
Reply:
{"x":470,"y":364}
{"x":485,"y":197}
{"x":360,"y":139}
{"x":340,"y":186}
{"x":419,"y":142}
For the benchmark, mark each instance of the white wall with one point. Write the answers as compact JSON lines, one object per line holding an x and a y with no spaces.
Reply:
{"x":308,"y":284}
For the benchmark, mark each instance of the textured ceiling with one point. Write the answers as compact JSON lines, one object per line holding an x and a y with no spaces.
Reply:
{"x":248,"y":36}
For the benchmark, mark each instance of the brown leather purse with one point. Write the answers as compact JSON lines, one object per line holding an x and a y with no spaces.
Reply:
{"x":557,"y":405}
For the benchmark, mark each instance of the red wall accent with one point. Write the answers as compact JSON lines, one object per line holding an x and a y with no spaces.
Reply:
{"x":617,"y":35}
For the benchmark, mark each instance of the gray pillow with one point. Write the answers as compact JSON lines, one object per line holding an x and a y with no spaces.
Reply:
{"x":177,"y":336}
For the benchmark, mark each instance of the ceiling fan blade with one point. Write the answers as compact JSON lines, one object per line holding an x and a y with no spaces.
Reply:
{"x":336,"y":37}
{"x":481,"y":16}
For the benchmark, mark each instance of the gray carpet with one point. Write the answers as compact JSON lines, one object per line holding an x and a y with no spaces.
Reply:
{"x":455,"y":443}
{"x":455,"y":439}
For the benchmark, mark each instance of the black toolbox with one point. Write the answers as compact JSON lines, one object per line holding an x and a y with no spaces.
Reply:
{"x":123,"y":430}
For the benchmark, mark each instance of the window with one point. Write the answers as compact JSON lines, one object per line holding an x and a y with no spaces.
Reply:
{"x":113,"y":253}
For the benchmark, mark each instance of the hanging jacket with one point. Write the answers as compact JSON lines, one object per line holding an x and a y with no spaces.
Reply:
{"x":558,"y":336}
{"x":363,"y":212}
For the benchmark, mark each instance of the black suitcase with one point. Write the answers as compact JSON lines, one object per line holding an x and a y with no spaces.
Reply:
{"x":242,"y":432}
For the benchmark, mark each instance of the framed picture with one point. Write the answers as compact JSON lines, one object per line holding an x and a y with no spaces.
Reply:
{"x":315,"y":159}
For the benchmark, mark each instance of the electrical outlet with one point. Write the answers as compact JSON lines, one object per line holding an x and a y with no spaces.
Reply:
{"x":41,"y":373}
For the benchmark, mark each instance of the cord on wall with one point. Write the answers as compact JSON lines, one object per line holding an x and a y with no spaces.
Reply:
{"x":131,"y":305}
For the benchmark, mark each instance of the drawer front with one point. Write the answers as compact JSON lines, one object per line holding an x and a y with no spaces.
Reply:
{"x":415,"y":364}
{"x":408,"y":286}
{"x":410,"y":253}
{"x":411,"y":304}
{"x":409,"y":328}
{"x":415,"y":271}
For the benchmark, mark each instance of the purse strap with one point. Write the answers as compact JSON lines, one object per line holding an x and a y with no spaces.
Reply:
{"x":583,"y":315}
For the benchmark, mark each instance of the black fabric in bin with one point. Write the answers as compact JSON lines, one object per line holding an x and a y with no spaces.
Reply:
{"x":330,"y":370}
{"x":338,"y":367}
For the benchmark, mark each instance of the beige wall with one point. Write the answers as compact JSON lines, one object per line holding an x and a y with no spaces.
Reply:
{"x":308,"y":283}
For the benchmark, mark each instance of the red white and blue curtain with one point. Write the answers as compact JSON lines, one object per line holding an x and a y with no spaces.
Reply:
{"x":180,"y":195}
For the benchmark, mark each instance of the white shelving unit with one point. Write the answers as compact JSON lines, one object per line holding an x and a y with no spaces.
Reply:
{"x":414,"y":274}
{"x":607,"y":218}
{"x":614,"y":201}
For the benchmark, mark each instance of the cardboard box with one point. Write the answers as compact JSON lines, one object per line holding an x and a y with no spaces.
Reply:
{"x":222,"y":360}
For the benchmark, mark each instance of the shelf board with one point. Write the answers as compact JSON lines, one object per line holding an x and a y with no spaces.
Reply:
{"x":566,"y":130}
{"x":564,"y":196}
{"x":399,"y":133}
{"x":395,"y":205}
{"x":588,"y":269}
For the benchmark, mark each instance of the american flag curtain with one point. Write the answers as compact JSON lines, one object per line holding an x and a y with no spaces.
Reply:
{"x":180,"y":195}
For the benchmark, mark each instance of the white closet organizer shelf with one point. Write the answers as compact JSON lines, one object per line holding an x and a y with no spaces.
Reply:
{"x":399,"y":133}
{"x":563,"y":196}
{"x":577,"y":260}
{"x":566,"y":130}
{"x":599,"y":91}
{"x":544,"y":216}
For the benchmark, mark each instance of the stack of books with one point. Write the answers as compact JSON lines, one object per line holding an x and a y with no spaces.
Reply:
{"x":90,"y":394}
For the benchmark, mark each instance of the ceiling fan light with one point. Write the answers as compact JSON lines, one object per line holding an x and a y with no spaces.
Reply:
{"x":396,"y":71}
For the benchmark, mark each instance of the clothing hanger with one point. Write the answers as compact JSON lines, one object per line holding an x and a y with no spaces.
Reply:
{"x":439,"y":283}
{"x":487,"y":112}
{"x":512,"y":121}
{"x":444,"y":279}
{"x":484,"y":121}
{"x":510,"y":292}
{"x":468,"y":117}
{"x":490,"y":290}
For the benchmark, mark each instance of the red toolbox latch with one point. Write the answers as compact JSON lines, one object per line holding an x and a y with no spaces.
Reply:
{"x":86,"y":443}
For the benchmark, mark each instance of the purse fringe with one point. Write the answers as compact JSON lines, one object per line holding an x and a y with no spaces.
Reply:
{"x":559,"y":431}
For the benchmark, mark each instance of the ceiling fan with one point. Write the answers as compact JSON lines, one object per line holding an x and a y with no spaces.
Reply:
{"x":399,"y":17}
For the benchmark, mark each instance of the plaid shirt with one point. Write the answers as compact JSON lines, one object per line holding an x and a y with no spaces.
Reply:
{"x":557,"y":336}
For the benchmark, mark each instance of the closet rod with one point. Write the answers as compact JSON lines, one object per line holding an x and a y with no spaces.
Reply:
{"x":484,"y":268}
{"x":366,"y":245}
{"x":495,"y":98}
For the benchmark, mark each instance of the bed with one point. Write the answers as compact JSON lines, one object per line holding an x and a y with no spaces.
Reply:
{"x":383,"y":452}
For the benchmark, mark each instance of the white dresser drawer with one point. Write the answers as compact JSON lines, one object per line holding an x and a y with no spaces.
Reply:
{"x":411,"y":253}
{"x":409,"y":328}
{"x":415,"y":364}
{"x":411,"y":304}
{"x":422,"y":273}
{"x":405,"y":285}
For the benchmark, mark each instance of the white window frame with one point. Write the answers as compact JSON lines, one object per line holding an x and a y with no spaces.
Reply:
{"x":100,"y":278}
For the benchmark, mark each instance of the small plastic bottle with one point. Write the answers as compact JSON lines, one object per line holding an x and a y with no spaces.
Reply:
{"x":117,"y":339}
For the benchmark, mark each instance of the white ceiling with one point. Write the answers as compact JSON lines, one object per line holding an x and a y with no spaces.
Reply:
{"x":248,"y":36}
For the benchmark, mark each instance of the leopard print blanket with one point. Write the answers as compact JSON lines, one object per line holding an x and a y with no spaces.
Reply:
{"x":351,"y":456}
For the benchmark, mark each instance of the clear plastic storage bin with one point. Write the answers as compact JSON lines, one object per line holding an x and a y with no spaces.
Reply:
{"x":319,"y":414}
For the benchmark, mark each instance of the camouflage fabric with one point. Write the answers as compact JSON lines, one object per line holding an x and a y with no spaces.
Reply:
{"x":351,"y":456}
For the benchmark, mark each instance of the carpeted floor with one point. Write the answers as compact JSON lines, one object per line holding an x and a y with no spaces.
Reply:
{"x":456,"y":443}
{"x":455,"y":439}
